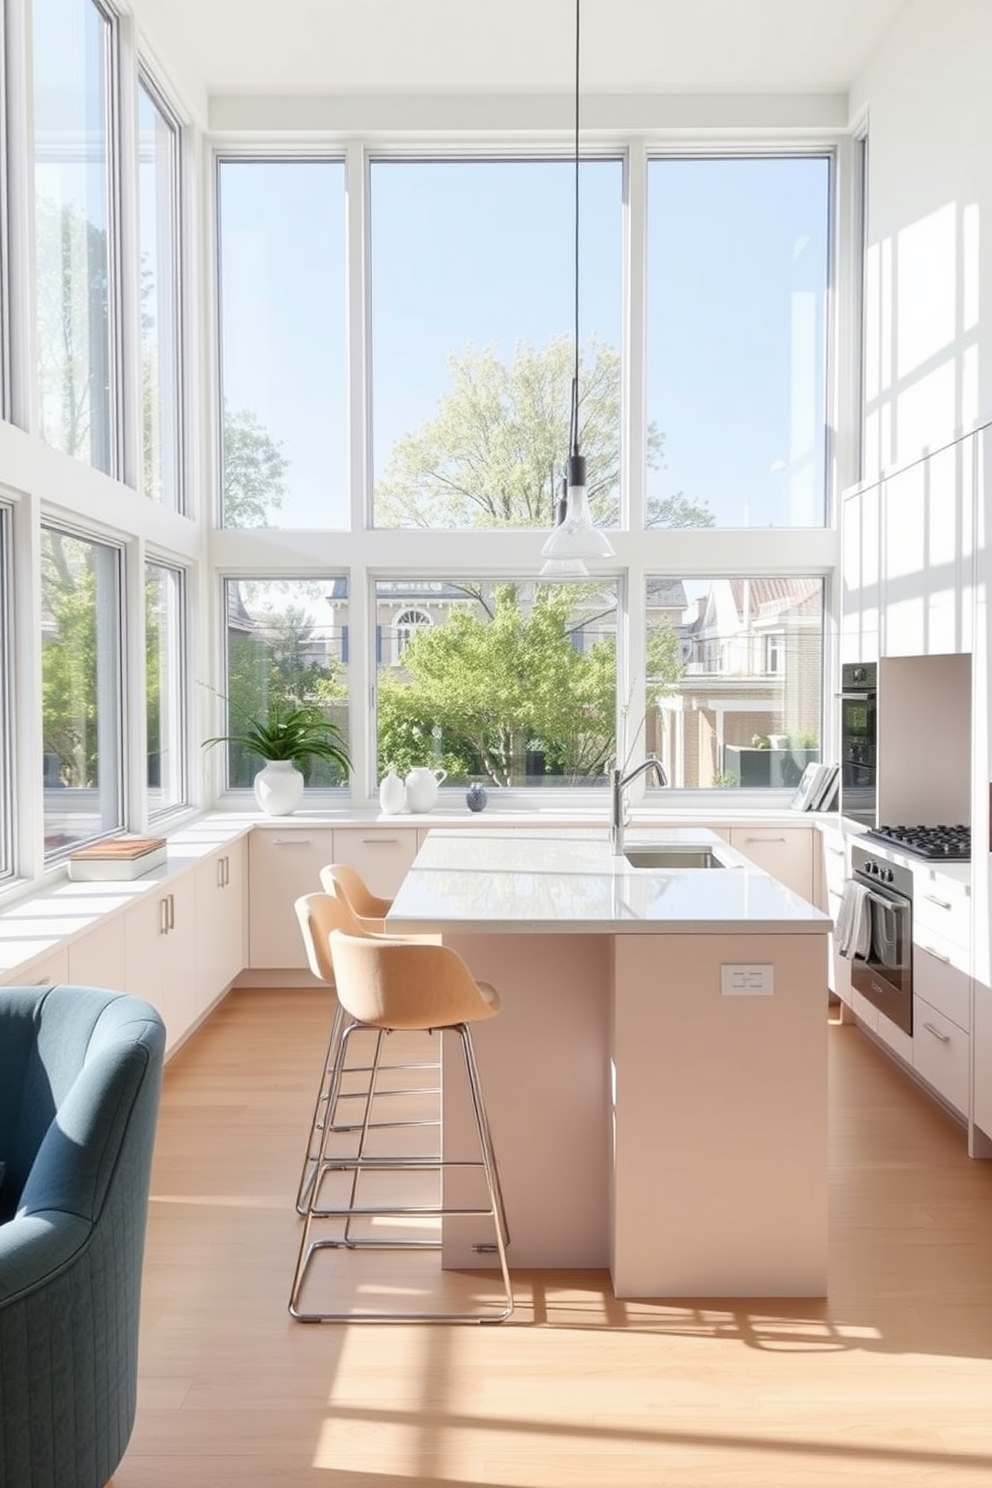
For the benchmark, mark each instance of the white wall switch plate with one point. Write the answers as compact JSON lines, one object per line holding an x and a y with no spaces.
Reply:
{"x":747,"y":981}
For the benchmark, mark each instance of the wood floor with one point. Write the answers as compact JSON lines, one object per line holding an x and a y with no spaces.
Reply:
{"x":887,"y":1381}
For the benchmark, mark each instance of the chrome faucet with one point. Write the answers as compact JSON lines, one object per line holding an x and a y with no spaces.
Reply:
{"x":618,"y":784}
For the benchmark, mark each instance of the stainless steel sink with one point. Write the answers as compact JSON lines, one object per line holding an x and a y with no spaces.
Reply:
{"x":671,"y":857}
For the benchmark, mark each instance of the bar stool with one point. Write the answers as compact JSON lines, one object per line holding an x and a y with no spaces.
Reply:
{"x":318,"y":915}
{"x":347,"y":883}
{"x":390,"y":986}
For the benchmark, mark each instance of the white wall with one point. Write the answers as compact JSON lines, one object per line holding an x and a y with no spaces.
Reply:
{"x":928,"y":101}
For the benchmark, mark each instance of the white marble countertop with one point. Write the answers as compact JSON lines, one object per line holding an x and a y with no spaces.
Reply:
{"x":567,"y":881}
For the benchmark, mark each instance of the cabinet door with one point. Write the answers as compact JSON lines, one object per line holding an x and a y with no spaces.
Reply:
{"x":221,"y":883}
{"x":283,"y":863}
{"x":44,"y":971}
{"x":382,"y":855}
{"x":96,"y":959}
{"x":160,"y":954}
{"x":784,"y":852}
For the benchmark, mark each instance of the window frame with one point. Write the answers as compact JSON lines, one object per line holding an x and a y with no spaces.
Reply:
{"x":158,"y":97}
{"x":111,"y":682}
{"x":7,"y":685}
{"x":180,"y":728}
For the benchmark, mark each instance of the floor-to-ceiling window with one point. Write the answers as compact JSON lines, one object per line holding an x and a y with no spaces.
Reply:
{"x":75,"y":262}
{"x":160,"y":298}
{"x":284,"y":423}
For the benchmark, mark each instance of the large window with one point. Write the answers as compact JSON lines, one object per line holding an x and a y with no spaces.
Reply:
{"x":6,"y":702}
{"x":737,"y":257}
{"x":74,"y":264}
{"x":734,"y":679}
{"x":81,"y":680}
{"x":283,"y":348}
{"x":512,"y":684}
{"x":287,"y":647}
{"x":158,"y":242}
{"x":165,"y":687}
{"x":473,"y":348}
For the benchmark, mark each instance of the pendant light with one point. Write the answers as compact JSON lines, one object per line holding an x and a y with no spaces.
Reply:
{"x":575,"y":539}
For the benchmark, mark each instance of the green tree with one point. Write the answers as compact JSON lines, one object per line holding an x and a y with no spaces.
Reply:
{"x":254,"y":471}
{"x":493,"y":454}
{"x":72,"y":330}
{"x":69,"y":680}
{"x":490,"y":687}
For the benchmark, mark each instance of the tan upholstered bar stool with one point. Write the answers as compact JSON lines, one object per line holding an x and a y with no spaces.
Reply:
{"x":346,"y":883}
{"x":391,"y":986}
{"x":318,"y":915}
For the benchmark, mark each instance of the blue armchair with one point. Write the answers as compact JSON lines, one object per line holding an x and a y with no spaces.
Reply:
{"x":80,"y":1076}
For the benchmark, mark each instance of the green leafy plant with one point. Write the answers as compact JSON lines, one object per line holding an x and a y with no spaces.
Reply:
{"x":299,"y":734}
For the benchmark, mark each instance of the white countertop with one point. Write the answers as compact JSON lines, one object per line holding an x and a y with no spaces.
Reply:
{"x":567,"y":881}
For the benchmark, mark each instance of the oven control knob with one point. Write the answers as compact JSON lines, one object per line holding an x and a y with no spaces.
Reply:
{"x":887,"y":875}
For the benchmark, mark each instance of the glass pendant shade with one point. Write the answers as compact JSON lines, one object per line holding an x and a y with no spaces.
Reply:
{"x":575,"y":539}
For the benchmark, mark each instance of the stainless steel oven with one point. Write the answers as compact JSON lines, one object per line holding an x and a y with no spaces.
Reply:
{"x":884,"y":976}
{"x":858,"y":742}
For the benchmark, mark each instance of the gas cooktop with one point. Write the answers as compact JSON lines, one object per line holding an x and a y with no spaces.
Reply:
{"x":952,"y":844}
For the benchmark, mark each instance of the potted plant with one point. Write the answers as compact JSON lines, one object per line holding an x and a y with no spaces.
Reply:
{"x":287,"y":740}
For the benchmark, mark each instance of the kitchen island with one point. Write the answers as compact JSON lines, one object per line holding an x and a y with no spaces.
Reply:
{"x":656,"y":1079}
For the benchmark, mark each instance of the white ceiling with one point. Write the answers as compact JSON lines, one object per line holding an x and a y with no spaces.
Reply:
{"x":512,"y":46}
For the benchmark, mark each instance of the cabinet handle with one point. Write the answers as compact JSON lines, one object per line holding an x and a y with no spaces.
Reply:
{"x":837,"y":851}
{"x":767,"y":839}
{"x":940,"y":903}
{"x":227,"y":870}
{"x":171,"y":900}
{"x":935,"y":954}
{"x":291,"y":841}
{"x":220,"y":873}
{"x":45,"y":981}
{"x":163,"y":916}
{"x":379,"y":841}
{"x":945,"y":1038}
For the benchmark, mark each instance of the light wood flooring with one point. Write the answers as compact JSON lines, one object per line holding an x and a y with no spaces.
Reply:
{"x":888,"y":1381}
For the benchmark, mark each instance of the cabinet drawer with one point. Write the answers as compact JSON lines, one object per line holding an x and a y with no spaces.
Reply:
{"x":786,"y":853}
{"x":835,"y":866}
{"x":382,"y":855}
{"x":940,"y":1054}
{"x":940,"y":975}
{"x":946,"y":909}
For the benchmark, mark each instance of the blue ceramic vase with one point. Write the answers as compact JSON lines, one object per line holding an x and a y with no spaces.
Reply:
{"x":476,"y":798}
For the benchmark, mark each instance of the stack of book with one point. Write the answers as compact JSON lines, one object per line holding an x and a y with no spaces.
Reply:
{"x":818,"y":790}
{"x":117,"y":858}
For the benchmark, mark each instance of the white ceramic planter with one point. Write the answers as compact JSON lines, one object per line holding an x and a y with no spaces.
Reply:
{"x":279,"y":787}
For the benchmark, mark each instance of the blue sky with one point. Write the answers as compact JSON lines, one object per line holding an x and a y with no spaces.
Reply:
{"x":465,"y":254}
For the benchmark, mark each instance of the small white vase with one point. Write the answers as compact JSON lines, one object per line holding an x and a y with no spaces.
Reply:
{"x":392,"y":792}
{"x":279,"y":787}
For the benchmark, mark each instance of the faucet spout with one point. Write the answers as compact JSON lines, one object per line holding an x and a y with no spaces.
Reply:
{"x":618,"y":805}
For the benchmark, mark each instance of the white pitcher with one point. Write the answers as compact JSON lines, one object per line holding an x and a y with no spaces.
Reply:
{"x":421,"y":787}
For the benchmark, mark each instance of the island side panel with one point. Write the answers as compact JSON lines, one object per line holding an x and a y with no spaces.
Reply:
{"x":720,"y":1171}
{"x":544,"y":1066}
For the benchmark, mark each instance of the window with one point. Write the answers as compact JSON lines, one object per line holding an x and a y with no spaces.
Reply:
{"x":158,"y":244}
{"x":81,"y":702}
{"x":6,"y":701}
{"x":5,"y":411}
{"x":284,"y":644}
{"x":472,"y":301}
{"x":283,"y":347}
{"x":74,"y":263}
{"x":165,"y":687}
{"x":737,"y":257}
{"x":406,"y":624}
{"x":494,"y":688}
{"x":742,"y":722}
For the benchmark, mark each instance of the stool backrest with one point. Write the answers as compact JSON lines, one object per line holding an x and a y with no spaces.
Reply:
{"x":347,"y":883}
{"x":397,"y":984}
{"x":318,"y":915}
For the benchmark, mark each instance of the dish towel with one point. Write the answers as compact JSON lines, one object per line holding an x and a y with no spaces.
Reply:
{"x":853,"y":929}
